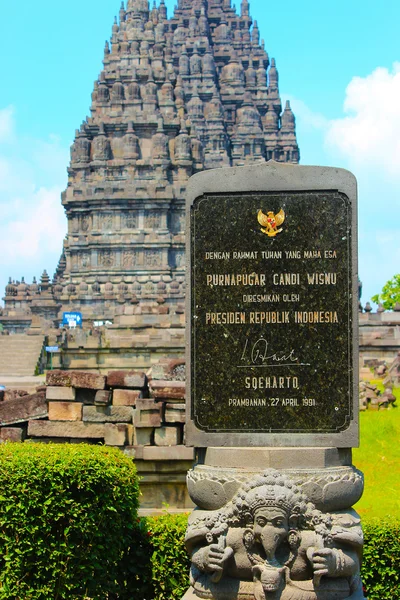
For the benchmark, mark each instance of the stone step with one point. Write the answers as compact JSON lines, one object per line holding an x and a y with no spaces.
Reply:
{"x":19,"y":354}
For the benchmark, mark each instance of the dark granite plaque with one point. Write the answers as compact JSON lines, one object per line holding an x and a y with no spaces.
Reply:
{"x":272,"y":307}
{"x":271,"y":312}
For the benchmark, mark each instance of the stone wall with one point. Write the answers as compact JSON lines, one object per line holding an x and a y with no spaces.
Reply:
{"x":142,"y":414}
{"x":379,"y":335}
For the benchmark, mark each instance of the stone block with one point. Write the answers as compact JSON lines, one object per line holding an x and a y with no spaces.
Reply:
{"x":167,"y":436}
{"x":143,"y":436}
{"x":65,"y":429}
{"x":134,"y":452}
{"x":60,"y":393}
{"x":167,"y":389}
{"x":126,"y":397}
{"x":65,"y":411}
{"x":126,"y":379}
{"x":12,"y":434}
{"x":116,"y":434}
{"x":77,"y":379}
{"x":148,"y":414}
{"x":175,"y":413}
{"x":108,"y":414}
{"x":23,"y":409}
{"x":102,"y":397}
{"x":168,"y":453}
{"x":167,"y":367}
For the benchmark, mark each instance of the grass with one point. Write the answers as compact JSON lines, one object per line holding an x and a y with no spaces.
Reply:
{"x":379,"y":459}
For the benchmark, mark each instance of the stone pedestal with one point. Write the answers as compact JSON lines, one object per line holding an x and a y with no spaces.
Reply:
{"x":275,"y":523}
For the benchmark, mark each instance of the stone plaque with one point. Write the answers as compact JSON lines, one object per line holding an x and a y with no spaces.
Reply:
{"x":272,"y":309}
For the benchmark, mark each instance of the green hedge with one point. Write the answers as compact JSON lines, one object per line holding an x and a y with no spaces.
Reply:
{"x":170,"y":563}
{"x":69,"y":530}
{"x":381,"y":562}
{"x":66,"y":512}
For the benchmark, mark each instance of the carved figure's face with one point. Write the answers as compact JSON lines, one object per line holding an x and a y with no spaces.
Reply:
{"x":270,"y":528}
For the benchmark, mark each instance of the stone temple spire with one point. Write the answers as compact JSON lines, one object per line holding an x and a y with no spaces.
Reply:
{"x":176,"y":95}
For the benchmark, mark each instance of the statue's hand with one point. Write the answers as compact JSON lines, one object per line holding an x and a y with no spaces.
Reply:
{"x":217,"y":557}
{"x":324,"y":562}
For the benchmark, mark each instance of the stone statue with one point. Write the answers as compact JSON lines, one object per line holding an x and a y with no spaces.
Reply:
{"x":270,"y":542}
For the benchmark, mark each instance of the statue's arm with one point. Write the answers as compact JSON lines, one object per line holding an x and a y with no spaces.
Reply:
{"x":335,"y":562}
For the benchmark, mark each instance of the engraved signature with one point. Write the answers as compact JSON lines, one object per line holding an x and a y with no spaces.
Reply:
{"x":259,"y":354}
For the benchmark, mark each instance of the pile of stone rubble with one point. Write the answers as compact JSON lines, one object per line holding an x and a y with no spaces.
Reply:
{"x":371,"y":398}
{"x":141,"y":413}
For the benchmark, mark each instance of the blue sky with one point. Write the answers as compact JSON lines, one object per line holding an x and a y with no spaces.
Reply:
{"x":339,"y":63}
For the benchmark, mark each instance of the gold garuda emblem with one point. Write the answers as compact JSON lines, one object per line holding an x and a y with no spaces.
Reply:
{"x":271,"y":222}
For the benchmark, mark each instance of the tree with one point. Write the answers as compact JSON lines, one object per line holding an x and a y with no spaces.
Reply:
{"x":390,"y":294}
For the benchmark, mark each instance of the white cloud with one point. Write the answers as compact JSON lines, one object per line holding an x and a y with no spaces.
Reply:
{"x":38,"y":229}
{"x":6,"y":124}
{"x":32,"y":224}
{"x":369,"y":135}
{"x":366,"y":140}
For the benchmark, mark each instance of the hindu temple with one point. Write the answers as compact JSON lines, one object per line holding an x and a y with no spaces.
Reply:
{"x":175,"y":96}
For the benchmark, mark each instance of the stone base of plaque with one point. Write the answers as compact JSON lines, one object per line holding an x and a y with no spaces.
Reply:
{"x":275,"y":524}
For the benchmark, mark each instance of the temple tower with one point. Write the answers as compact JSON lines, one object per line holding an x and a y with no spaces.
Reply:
{"x":196,"y":91}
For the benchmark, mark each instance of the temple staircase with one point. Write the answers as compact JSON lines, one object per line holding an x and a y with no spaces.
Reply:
{"x":20,"y":354}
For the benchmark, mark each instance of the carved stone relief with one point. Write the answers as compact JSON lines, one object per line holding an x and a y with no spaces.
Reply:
{"x":152,"y":220}
{"x":129,"y":220}
{"x":106,"y":258}
{"x":84,"y":260}
{"x":270,"y":542}
{"x":106,"y":221}
{"x":130,"y":259}
{"x":152,"y":258}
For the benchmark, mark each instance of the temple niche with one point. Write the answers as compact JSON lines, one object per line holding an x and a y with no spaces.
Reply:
{"x":176,"y":95}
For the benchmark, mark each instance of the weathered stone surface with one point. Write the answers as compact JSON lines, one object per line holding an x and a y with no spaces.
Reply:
{"x":12,"y":434}
{"x":148,"y":414}
{"x":167,"y":436}
{"x":168,"y":369}
{"x":77,"y":379}
{"x":60,"y":393}
{"x":108,"y":414}
{"x":23,"y":409}
{"x":175,"y":413}
{"x":168,"y":453}
{"x":126,"y":397}
{"x":65,"y":429}
{"x":102,"y":397}
{"x":164,"y":389}
{"x":14,"y":394}
{"x":126,"y":379}
{"x":65,"y":411}
{"x":117,"y":434}
{"x":143,"y":436}
{"x":134,"y":452}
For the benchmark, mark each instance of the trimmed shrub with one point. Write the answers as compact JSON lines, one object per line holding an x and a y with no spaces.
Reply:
{"x":66,"y":514}
{"x":170,"y":562}
{"x":381,"y":563}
